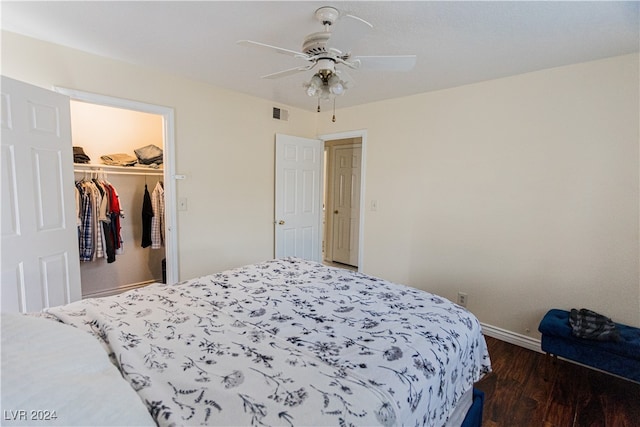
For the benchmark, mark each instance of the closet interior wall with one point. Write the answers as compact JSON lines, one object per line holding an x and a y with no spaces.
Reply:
{"x":101,"y":130}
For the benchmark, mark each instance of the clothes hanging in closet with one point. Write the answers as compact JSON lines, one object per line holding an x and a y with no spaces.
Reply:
{"x":157,"y":221}
{"x":99,"y":211}
{"x":147,"y":215}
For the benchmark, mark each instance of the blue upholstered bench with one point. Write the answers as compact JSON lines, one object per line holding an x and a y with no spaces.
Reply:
{"x":474,"y":414}
{"x":620,"y":358}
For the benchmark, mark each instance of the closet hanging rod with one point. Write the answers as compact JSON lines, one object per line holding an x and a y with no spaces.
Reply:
{"x":120,"y":173}
{"x":154,"y":172}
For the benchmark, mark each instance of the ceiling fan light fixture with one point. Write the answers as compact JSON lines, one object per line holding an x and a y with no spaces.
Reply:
{"x":314,"y":87}
{"x":325,"y":84}
{"x":336,"y":86}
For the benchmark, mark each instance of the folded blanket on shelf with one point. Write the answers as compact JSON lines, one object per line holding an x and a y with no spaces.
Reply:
{"x":79,"y":156}
{"x":149,"y":154}
{"x":118,"y":159}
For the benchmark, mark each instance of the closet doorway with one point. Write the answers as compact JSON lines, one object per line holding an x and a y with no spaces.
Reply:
{"x":105,"y":126}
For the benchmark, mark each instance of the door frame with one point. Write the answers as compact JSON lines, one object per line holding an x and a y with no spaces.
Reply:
{"x":362,"y":134}
{"x":330,"y":180}
{"x":168,"y":124}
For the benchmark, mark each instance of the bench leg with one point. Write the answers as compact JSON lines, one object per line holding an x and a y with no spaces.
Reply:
{"x":550,"y":361}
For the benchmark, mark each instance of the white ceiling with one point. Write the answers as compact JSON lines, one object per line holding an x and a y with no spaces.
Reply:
{"x":456,"y":43}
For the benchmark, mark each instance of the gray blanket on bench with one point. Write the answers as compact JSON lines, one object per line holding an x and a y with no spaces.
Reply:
{"x":591,"y":325}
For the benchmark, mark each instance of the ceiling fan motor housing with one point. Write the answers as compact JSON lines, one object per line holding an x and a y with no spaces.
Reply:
{"x":316,"y":43}
{"x":327,"y":66}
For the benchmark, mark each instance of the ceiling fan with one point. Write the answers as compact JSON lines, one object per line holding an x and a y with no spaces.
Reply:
{"x":329,"y":49}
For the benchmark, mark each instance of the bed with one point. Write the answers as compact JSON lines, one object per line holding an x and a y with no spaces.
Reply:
{"x":284,"y":342}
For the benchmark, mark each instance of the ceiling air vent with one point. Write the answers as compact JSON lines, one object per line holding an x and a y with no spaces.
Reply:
{"x":280,"y":114}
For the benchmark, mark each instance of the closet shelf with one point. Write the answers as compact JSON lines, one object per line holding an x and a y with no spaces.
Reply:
{"x":118,"y":170}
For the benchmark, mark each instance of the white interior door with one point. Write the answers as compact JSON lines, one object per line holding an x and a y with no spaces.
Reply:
{"x":346,"y":204}
{"x":298,"y":210}
{"x":40,"y":263}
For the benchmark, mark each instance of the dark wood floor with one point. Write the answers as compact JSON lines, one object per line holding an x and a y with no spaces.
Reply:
{"x":518,"y":395}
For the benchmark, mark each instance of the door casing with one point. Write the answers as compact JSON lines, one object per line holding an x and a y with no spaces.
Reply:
{"x":362,"y":134}
{"x":171,"y":229}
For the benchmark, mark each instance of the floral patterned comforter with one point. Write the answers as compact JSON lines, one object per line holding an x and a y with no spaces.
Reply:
{"x":288,"y":342}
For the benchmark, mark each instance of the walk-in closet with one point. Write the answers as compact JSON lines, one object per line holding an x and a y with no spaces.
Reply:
{"x":122,"y":136}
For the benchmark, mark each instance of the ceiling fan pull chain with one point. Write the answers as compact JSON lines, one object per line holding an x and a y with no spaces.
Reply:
{"x":334,"y":111}
{"x":318,"y":105}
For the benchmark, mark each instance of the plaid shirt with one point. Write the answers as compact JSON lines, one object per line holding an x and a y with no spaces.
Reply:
{"x":85,"y":228}
{"x":157,"y":221}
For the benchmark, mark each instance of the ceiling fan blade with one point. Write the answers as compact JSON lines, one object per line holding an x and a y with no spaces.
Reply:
{"x":388,"y":63}
{"x":346,"y":32}
{"x":289,"y":72}
{"x":277,"y":49}
{"x":357,"y":18}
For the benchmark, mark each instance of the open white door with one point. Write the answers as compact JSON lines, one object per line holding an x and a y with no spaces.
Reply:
{"x":346,"y":204}
{"x":298,"y":210}
{"x":40,"y":263}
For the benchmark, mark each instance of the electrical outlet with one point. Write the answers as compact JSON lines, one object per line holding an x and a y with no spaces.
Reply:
{"x":462,"y":299}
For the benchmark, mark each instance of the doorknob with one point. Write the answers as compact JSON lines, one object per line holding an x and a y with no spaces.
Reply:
{"x":335,"y":212}
{"x":281,"y":222}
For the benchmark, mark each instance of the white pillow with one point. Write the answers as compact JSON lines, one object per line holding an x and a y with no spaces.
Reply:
{"x":55,"y":374}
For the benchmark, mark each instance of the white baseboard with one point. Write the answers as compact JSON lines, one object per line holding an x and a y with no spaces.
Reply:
{"x":512,"y":337}
{"x":115,"y":291}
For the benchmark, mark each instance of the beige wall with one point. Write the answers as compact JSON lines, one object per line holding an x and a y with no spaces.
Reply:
{"x":224,"y":144}
{"x":522,"y":192}
{"x":100,"y":130}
